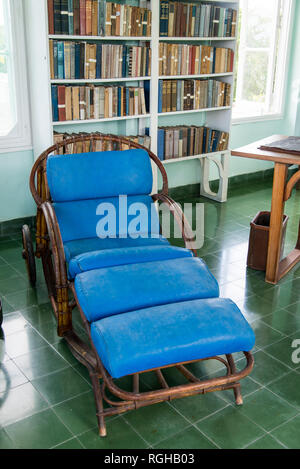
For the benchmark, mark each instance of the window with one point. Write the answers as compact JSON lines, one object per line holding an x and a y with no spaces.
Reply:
{"x":261,"y":57}
{"x":14,"y":114}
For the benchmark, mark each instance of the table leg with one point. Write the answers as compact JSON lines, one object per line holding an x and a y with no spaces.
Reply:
{"x":277,"y":212}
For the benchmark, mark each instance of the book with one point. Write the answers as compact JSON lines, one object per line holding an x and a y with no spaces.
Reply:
{"x":179,"y":19}
{"x":94,"y":102}
{"x":93,"y":60}
{"x":50,"y":6}
{"x":184,"y":141}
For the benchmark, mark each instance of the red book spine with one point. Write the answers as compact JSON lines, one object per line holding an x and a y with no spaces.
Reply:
{"x":193,"y":59}
{"x":82,"y":18}
{"x":51,"y":16}
{"x":61,"y":99}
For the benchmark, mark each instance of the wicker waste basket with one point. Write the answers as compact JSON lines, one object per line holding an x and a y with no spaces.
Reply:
{"x":259,"y":240}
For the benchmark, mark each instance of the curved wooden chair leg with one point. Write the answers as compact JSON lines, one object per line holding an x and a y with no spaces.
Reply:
{"x":99,"y":403}
{"x":237,"y":386}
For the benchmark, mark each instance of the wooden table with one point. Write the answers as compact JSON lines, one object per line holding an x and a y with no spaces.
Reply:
{"x":282,"y":191}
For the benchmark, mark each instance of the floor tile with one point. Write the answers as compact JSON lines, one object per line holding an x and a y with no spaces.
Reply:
{"x":12,"y":285}
{"x":40,"y":431}
{"x":5,"y":441}
{"x":60,"y":386}
{"x":289,"y":433}
{"x":283,"y":350}
{"x":70,"y":444}
{"x":13,"y":322}
{"x":266,"y":442}
{"x":23,"y":342}
{"x":10,"y":376}
{"x":19,"y":403}
{"x":283,"y":321}
{"x":229,"y":429}
{"x":40,"y":362}
{"x":29,"y":297}
{"x":119,"y":436}
{"x":265,"y":335}
{"x":197,"y":407}
{"x":188,"y":439}
{"x":267,"y":369}
{"x":288,"y":387}
{"x":264,"y":408}
{"x":79,"y":413}
{"x":162,"y":421}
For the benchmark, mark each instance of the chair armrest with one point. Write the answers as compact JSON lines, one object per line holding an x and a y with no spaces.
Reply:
{"x":187,"y":234}
{"x":57,"y":246}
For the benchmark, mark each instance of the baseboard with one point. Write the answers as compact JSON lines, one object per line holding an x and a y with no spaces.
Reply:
{"x":14,"y":227}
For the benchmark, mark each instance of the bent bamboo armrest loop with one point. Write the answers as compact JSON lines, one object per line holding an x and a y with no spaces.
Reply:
{"x":57,"y":247}
{"x":295,"y":179}
{"x":187,"y":233}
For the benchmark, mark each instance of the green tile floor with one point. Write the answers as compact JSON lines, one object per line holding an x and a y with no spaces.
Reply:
{"x":46,"y":399}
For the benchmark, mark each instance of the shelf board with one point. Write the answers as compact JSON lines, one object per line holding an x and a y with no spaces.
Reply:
{"x":189,"y":39}
{"x":93,"y":121}
{"x":98,"y":80}
{"x":209,"y":109}
{"x":64,"y":37}
{"x":179,"y":77}
{"x":193,"y":157}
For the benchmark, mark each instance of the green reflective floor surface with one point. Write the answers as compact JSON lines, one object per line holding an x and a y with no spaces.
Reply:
{"x":46,"y":399}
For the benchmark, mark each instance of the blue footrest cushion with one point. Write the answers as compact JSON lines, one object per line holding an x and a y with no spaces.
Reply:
{"x":114,"y":290}
{"x":123,"y":256}
{"x":168,"y":334}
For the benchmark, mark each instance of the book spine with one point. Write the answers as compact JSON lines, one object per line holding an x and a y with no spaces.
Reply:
{"x":54,"y":97}
{"x":64,"y":17}
{"x":50,"y":6}
{"x":57,"y":17}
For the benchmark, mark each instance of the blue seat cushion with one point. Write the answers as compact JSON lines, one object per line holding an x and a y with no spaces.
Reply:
{"x":174,"y":333}
{"x":122,"y":256}
{"x":80,"y":246}
{"x":108,"y":291}
{"x":99,"y":174}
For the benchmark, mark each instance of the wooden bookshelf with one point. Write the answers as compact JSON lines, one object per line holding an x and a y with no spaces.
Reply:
{"x":43,"y":126}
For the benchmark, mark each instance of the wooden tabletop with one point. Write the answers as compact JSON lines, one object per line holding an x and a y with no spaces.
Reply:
{"x":252,"y":151}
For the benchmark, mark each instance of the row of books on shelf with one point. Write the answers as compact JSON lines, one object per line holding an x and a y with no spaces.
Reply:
{"x":184,"y":59}
{"x":186,"y":95}
{"x":183,"y":141}
{"x":97,"y":18}
{"x":81,"y":60}
{"x":99,"y":145}
{"x":96,"y":102}
{"x":196,"y":20}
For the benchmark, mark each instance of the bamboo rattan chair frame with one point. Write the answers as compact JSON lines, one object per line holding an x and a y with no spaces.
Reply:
{"x":49,"y":247}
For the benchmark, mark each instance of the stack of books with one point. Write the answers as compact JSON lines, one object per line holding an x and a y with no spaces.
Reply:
{"x":97,"y":18}
{"x":183,"y":141}
{"x":100,"y":145}
{"x":184,"y":59}
{"x":81,"y":60}
{"x":187,"y":95}
{"x":96,"y":102}
{"x":196,"y":20}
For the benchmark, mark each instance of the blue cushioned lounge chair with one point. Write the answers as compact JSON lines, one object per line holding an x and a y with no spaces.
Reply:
{"x":145,"y":305}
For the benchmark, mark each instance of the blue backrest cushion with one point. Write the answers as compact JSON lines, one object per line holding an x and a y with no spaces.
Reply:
{"x":82,"y":218}
{"x":99,"y":174}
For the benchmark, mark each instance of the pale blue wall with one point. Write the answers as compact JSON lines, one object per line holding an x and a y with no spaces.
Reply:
{"x":15,"y":199}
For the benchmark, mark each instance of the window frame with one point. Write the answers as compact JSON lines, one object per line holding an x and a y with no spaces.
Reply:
{"x":19,"y":138}
{"x":284,"y":58}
